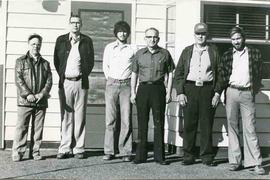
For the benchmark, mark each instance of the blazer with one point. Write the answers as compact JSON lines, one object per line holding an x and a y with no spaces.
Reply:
{"x":61,"y":53}
{"x":183,"y":65}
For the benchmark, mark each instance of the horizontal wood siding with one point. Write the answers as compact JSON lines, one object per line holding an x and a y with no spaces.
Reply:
{"x":24,"y":18}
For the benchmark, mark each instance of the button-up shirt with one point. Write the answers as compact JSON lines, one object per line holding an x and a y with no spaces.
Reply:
{"x":152,"y":66}
{"x":35,"y":64}
{"x":117,"y":60}
{"x":240,"y":69}
{"x":200,"y":65}
{"x":73,"y":68}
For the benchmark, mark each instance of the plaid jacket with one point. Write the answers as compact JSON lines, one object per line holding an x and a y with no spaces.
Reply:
{"x":255,"y":69}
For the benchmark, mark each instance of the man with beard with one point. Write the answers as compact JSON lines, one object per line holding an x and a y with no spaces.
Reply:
{"x":198,"y":93}
{"x":241,"y":76}
{"x":117,"y":69}
{"x":151,"y":65}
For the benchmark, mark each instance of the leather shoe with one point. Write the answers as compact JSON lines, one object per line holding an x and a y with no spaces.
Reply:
{"x":235,"y":167}
{"x":137,"y":162}
{"x":108,"y":157}
{"x":163,"y":162}
{"x":187,"y":162}
{"x":79,"y":156}
{"x":126,"y":158}
{"x":63,"y":155}
{"x":210,"y":163}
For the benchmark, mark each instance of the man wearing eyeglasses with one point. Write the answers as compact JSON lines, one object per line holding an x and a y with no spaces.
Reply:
{"x":150,"y":65}
{"x":198,"y":93}
{"x":73,"y":61}
{"x":33,"y":78}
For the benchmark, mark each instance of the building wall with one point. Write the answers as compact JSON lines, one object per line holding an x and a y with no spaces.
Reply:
{"x":49,"y":19}
{"x":187,"y":17}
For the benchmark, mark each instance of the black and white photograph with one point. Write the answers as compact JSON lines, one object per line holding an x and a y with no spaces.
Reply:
{"x":134,"y":89}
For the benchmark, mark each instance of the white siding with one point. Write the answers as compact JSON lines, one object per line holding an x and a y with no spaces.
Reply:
{"x":23,"y":19}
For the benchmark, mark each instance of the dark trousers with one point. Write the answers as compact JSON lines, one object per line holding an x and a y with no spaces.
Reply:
{"x":199,"y":110}
{"x":150,"y":96}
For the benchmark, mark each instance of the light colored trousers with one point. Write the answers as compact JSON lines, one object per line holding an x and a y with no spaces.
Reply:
{"x":73,"y":102}
{"x":118,"y":93}
{"x":235,"y":100}
{"x":21,"y":131}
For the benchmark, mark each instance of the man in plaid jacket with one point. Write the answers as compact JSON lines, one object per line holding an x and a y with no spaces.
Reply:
{"x":240,"y":76}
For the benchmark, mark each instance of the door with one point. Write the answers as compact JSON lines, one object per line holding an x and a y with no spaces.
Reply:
{"x":98,"y":21}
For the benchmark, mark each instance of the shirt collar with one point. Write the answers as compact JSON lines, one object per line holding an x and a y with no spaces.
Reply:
{"x":240,"y":52}
{"x":32,"y":58}
{"x":146,"y":50}
{"x":196,"y":48}
{"x":117,"y":44}
{"x":76,"y":38}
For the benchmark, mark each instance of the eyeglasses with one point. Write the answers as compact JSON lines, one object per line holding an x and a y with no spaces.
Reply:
{"x":150,"y":37}
{"x":201,"y":33}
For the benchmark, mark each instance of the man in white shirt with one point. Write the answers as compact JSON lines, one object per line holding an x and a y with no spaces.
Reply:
{"x":117,"y":69}
{"x":241,"y":76}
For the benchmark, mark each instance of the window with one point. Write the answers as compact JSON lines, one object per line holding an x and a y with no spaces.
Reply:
{"x":254,"y":20}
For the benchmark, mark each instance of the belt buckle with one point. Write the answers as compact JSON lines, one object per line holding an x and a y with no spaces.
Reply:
{"x":198,"y":83}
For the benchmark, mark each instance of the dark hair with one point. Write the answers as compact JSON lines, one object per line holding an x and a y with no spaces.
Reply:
{"x":75,"y":16}
{"x":239,"y":30}
{"x":35,"y":36}
{"x":121,"y":26}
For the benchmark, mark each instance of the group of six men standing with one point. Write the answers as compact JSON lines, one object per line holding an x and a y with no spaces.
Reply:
{"x":143,"y":77}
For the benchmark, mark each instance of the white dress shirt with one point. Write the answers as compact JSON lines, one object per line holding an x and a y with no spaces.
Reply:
{"x":240,"y":69}
{"x":117,"y":60}
{"x":73,"y":68}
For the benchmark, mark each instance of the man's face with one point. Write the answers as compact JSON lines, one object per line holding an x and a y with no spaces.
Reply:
{"x":238,"y":41}
{"x":200,"y":38}
{"x":151,"y":38}
{"x":122,"y":36}
{"x":34,"y":46}
{"x":75,"y":24}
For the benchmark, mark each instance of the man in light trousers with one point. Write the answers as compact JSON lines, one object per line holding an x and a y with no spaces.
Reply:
{"x":241,"y":75}
{"x":117,"y":69}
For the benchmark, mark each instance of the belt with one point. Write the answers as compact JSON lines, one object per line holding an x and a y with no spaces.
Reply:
{"x":240,"y":88}
{"x":121,"y":81}
{"x":152,"y":82}
{"x":204,"y":83}
{"x":73,"y":78}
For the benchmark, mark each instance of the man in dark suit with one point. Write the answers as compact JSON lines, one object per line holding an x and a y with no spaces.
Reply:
{"x":198,"y":93}
{"x":74,"y":61}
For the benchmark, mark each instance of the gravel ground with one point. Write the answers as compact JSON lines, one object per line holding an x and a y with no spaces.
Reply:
{"x":95,"y":168}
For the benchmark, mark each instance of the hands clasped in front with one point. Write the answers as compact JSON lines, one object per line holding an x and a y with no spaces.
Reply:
{"x":34,"y":98}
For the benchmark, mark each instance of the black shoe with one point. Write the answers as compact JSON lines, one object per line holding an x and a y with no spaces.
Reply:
{"x":137,"y":162}
{"x":126,"y":158}
{"x":108,"y":157}
{"x":63,"y":155}
{"x":80,"y":156}
{"x":209,"y":163}
{"x":163,"y":162}
{"x":187,"y":162}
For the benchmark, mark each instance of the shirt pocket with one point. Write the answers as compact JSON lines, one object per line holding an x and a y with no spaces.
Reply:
{"x":161,"y":64}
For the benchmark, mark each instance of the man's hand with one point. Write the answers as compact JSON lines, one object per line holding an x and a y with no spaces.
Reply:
{"x":168,"y":98}
{"x":38,"y":97}
{"x":133,"y":98}
{"x":182,"y":99}
{"x":31,"y":98}
{"x":215,"y":100}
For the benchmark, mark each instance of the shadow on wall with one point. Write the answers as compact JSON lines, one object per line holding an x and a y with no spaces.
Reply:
{"x":50,"y":5}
